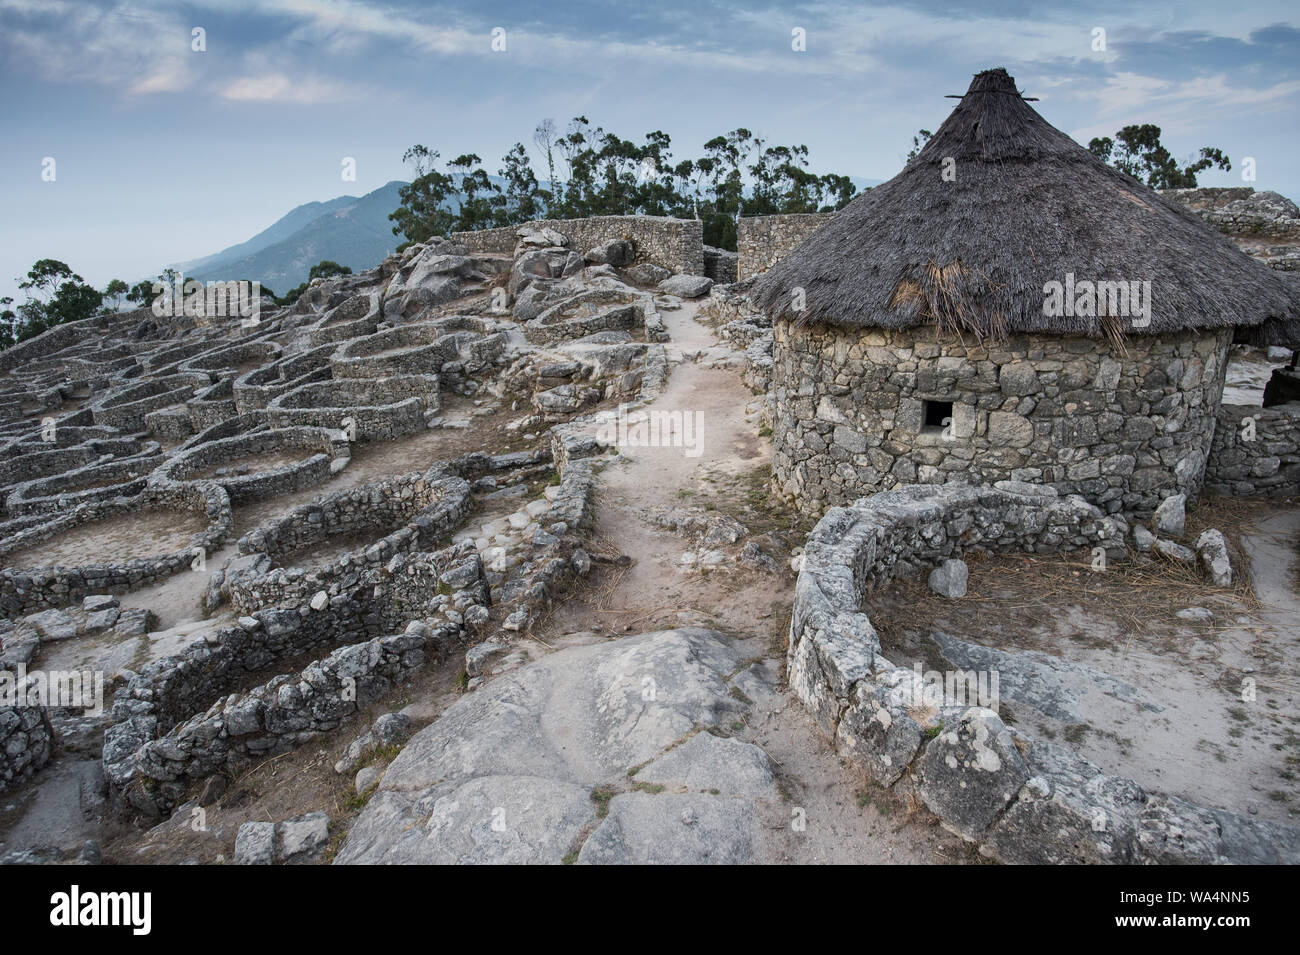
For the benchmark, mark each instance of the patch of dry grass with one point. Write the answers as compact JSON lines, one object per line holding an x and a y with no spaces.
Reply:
{"x":1136,"y":593}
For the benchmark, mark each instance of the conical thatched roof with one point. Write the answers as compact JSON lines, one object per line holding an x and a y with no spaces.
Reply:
{"x":1028,"y":205}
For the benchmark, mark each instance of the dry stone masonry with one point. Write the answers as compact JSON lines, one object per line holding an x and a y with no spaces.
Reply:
{"x":204,"y":418}
{"x":858,"y":412}
{"x":762,"y":241}
{"x":1023,"y":800}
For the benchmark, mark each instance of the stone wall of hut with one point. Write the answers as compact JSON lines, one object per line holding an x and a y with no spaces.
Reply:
{"x":1122,"y":428}
{"x":1259,"y":457}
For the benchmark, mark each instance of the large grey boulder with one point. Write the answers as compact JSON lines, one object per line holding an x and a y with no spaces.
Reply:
{"x":970,"y":772}
{"x":538,"y":763}
{"x":52,"y":625}
{"x":298,"y":841}
{"x":686,"y":286}
{"x":538,"y":264}
{"x":255,"y":844}
{"x":1068,"y":812}
{"x":538,"y":237}
{"x":615,"y":252}
{"x":645,"y":273}
{"x":303,"y":839}
{"x":97,"y":602}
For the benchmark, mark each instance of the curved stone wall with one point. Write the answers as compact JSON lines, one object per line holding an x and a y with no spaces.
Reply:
{"x":410,"y":513}
{"x":254,"y":390}
{"x":125,"y":408}
{"x":15,"y":468}
{"x":26,"y":741}
{"x":416,"y":349}
{"x":1022,"y":800}
{"x":1122,"y":429}
{"x":87,"y":485}
{"x":331,"y":453}
{"x":212,"y":405}
{"x":226,"y":356}
{"x":25,"y":590}
{"x":380,"y":408}
{"x":1259,"y":458}
{"x":357,"y":316}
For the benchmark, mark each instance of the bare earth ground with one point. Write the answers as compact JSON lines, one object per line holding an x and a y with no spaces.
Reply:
{"x":113,"y":540}
{"x":848,"y":821}
{"x":255,"y":463}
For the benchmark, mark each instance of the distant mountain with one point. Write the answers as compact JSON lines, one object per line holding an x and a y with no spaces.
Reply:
{"x":351,"y":231}
{"x":286,"y":226}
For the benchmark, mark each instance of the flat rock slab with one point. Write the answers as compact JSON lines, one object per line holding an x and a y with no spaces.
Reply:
{"x":596,"y":753}
{"x":679,"y":829}
{"x":1053,"y":686}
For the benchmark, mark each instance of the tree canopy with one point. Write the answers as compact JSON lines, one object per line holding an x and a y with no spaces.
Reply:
{"x":1137,"y":150}
{"x":592,"y":172}
{"x":55,"y":294}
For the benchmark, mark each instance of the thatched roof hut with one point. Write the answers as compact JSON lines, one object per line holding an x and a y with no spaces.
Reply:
{"x":1022,"y":205}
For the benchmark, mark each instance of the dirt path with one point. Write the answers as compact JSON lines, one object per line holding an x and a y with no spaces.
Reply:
{"x":847,"y":821}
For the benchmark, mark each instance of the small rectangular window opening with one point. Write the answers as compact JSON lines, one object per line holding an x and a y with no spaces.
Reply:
{"x":937,"y":416}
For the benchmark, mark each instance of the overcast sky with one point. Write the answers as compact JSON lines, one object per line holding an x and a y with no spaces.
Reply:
{"x":165,"y":154}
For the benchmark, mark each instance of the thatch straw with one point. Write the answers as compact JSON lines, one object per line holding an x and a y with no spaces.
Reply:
{"x":1028,"y":205}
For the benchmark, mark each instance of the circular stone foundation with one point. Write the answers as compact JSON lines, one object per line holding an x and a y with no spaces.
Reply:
{"x":98,"y":482}
{"x":111,"y":546}
{"x":325,"y":544}
{"x":367,"y":409}
{"x":408,"y":349}
{"x":357,"y":316}
{"x":125,"y":408}
{"x":239,"y":358}
{"x":261,"y":464}
{"x":254,"y":390}
{"x":1023,"y":800}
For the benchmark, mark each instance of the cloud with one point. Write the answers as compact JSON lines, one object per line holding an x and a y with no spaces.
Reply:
{"x":1193,"y":105}
{"x":134,"y":49}
{"x":278,"y":87}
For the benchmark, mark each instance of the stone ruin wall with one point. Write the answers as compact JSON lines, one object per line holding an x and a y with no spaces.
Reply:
{"x":720,"y":265}
{"x":1241,"y":211}
{"x":674,"y":244}
{"x":763,"y":241}
{"x":1262,"y":460}
{"x":1121,"y":431}
{"x":1023,"y":800}
{"x":26,"y":740}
